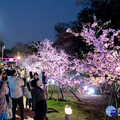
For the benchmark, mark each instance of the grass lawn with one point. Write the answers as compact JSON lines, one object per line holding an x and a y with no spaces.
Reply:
{"x":92,"y":107}
{"x":77,"y":114}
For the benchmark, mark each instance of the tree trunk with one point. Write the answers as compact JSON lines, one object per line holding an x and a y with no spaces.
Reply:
{"x":53,"y":90}
{"x":58,"y":93}
{"x":75,"y":95}
{"x":61,"y":91}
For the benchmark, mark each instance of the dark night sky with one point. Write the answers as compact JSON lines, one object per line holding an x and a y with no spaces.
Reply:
{"x":33,"y":20}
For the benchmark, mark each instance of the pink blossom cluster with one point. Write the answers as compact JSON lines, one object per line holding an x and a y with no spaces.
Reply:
{"x":55,"y":63}
{"x":66,"y":71}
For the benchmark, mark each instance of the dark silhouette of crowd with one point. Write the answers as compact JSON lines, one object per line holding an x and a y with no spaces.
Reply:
{"x":18,"y":86}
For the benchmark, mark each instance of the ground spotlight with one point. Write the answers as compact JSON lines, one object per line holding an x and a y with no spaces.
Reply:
{"x":85,"y":88}
{"x":91,"y":91}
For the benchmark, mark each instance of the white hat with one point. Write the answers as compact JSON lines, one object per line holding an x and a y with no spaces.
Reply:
{"x":39,"y":82}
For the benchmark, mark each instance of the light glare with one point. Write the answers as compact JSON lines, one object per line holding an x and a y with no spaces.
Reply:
{"x":18,"y":57}
{"x":85,"y":88}
{"x":68,"y":110}
{"x":91,"y":90}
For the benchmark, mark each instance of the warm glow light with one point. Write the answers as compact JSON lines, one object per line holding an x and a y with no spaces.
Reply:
{"x":28,"y":79}
{"x":18,"y":57}
{"x":68,"y":110}
{"x":2,"y":63}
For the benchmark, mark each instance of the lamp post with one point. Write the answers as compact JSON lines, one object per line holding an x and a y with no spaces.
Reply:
{"x":68,"y":112}
{"x":18,"y":58}
{"x":3,"y":47}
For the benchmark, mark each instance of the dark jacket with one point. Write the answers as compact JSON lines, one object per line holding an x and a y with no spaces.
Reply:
{"x":44,"y":79}
{"x":37,"y":96}
{"x":4,"y":78}
{"x":34,"y":82}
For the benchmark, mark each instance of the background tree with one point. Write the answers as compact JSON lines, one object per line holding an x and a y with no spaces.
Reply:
{"x":60,"y":29}
{"x":72,"y":45}
{"x":22,"y":49}
{"x":104,"y":10}
{"x":105,"y":59}
{"x":56,"y":64}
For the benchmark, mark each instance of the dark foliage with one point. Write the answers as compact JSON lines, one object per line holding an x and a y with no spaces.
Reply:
{"x":72,"y":45}
{"x":105,"y":10}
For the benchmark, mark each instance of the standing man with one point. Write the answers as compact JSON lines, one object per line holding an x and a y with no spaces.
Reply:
{"x":16,"y":93}
{"x":45,"y":85}
{"x":39,"y":104}
{"x":35,"y":79}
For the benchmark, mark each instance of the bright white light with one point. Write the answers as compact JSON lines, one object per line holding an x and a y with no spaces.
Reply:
{"x":68,"y":110}
{"x":51,"y":81}
{"x":85,"y":88}
{"x":91,"y":90}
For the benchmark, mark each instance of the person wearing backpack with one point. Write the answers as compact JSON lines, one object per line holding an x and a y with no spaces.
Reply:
{"x":45,"y":84}
{"x":3,"y":103}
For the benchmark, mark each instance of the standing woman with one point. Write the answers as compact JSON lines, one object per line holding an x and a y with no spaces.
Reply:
{"x":28,"y":95}
{"x":3,"y":103}
{"x":4,"y":77}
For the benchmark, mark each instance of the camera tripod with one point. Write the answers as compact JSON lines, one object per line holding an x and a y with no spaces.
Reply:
{"x":113,"y":101}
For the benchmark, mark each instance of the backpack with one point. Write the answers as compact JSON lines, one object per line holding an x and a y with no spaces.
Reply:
{"x":1,"y":84}
{"x":44,"y":79}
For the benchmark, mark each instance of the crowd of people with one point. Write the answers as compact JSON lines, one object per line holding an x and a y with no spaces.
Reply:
{"x":14,"y":88}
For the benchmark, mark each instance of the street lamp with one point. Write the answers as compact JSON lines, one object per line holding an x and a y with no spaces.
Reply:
{"x":68,"y":112}
{"x":3,"y":47}
{"x":18,"y":57}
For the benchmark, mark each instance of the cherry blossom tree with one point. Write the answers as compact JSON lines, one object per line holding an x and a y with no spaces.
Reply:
{"x":57,"y":65}
{"x":105,"y":60}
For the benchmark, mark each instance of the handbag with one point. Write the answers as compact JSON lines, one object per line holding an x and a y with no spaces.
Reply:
{"x":9,"y":113}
